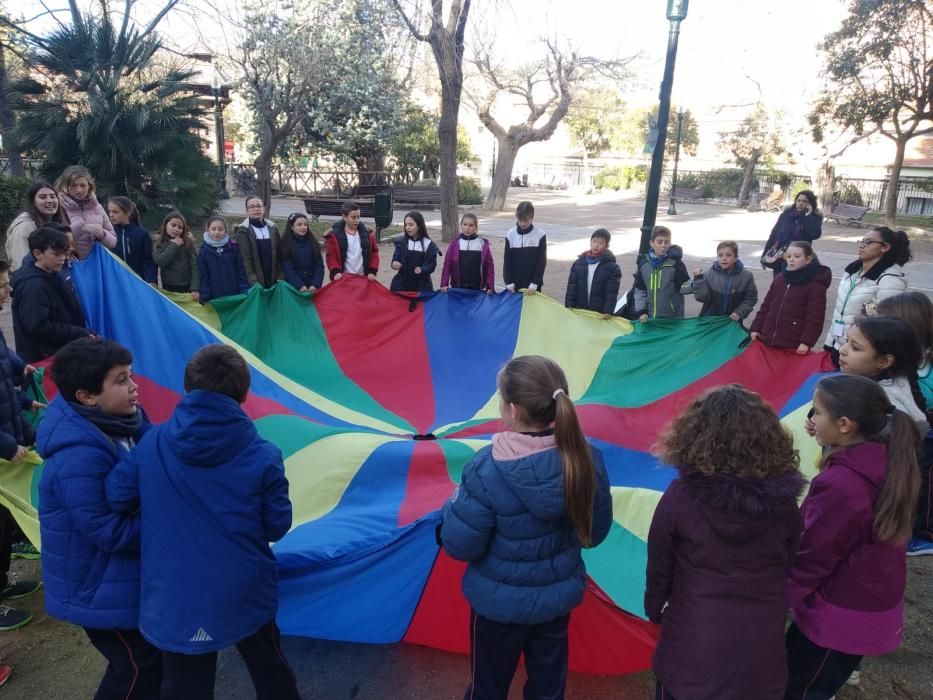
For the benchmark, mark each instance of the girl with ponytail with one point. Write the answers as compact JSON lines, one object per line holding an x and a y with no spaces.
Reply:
{"x":846,"y":587}
{"x":526,"y":506}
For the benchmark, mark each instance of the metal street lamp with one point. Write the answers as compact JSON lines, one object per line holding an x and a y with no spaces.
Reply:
{"x":676,"y":13}
{"x":219,"y":137}
{"x":672,"y":207}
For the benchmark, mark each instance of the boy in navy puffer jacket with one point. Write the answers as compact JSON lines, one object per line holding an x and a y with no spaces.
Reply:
{"x":207,"y":471}
{"x":525,"y":508}
{"x":90,"y":554}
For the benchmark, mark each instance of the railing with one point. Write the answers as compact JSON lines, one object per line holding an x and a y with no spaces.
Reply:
{"x":31,"y":167}
{"x":297,"y":180}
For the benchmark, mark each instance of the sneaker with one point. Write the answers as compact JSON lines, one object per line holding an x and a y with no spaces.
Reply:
{"x":11,"y":619}
{"x":20,"y":589}
{"x":919,"y":547}
{"x":24,"y":550}
{"x":854,"y":678}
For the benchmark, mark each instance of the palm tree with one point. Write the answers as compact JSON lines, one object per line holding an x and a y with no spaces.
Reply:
{"x":100,"y":96}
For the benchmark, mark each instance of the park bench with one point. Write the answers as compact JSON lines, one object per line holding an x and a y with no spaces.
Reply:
{"x":688,"y":193}
{"x":848,"y":213}
{"x":328,"y":206}
{"x":369,"y":191}
{"x":417,"y":196}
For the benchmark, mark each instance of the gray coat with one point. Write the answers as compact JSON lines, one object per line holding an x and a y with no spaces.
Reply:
{"x":722,"y":292}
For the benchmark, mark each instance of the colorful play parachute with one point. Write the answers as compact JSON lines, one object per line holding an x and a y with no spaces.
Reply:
{"x":377,"y":402}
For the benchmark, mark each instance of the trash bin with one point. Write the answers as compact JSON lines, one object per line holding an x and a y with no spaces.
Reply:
{"x":382,"y":211}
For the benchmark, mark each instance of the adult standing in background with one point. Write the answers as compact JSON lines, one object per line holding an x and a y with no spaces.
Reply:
{"x":802,"y":221}
{"x":42,"y":206}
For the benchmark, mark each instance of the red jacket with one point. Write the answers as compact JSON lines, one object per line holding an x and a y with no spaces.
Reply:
{"x":335,"y":245}
{"x":793,"y":311}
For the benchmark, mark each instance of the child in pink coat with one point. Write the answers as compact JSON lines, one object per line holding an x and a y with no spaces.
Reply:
{"x":88,"y":219}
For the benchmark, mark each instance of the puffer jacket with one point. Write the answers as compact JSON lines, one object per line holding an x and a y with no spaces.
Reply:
{"x":14,"y":431}
{"x":723,"y":292}
{"x":134,"y":247}
{"x":793,"y":310}
{"x":846,"y":587}
{"x":657,"y":289}
{"x":856,"y":290}
{"x":205,"y":471}
{"x":508,"y":520}
{"x":602,"y":294}
{"x":719,"y":550}
{"x":81,"y":215}
{"x":90,"y":554}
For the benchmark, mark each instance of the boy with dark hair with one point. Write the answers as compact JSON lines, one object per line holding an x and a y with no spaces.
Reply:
{"x":594,"y":277}
{"x":525,"y":252}
{"x":46,"y":311}
{"x":90,"y":554}
{"x":16,"y":435}
{"x":727,"y":288}
{"x":207,"y":471}
{"x":659,"y":275}
{"x":350,"y":246}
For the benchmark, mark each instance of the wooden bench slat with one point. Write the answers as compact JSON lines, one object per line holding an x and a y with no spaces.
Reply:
{"x":850,"y":213}
{"x":687,"y":193}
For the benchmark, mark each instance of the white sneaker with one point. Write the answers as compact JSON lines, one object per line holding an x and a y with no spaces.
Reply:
{"x":854,"y":678}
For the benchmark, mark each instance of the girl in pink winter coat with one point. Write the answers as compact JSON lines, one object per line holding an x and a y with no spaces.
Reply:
{"x":88,"y":219}
{"x":846,"y":585}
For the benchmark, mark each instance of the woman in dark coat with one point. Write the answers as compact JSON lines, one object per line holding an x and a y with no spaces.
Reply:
{"x":720,"y":545}
{"x":800,"y":222}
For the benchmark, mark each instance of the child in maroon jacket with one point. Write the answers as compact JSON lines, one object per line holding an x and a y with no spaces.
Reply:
{"x":791,"y":315}
{"x":846,"y":587}
{"x":721,"y":542}
{"x":468,"y":263}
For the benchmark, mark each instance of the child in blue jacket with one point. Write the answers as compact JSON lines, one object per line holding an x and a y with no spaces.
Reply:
{"x":220,"y":265}
{"x":299,"y":254}
{"x":134,"y":244}
{"x":90,"y":554}
{"x":211,"y":495}
{"x":525,"y":508}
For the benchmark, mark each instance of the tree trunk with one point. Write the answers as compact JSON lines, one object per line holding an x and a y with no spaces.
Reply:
{"x":447,"y":137}
{"x":7,"y":122}
{"x":890,"y":199}
{"x":825,"y":184}
{"x":499,"y":189}
{"x":747,"y":177}
{"x":263,"y":165}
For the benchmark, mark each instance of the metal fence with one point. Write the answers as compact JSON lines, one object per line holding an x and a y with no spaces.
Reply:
{"x":31,"y":167}
{"x":297,"y":180}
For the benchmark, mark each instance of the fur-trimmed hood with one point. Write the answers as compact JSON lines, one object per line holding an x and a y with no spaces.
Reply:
{"x":728,"y":501}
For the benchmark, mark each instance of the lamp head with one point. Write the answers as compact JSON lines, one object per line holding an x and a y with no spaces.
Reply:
{"x":215,"y":80}
{"x":677,"y":9}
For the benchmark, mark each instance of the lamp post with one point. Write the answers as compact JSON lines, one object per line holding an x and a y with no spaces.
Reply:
{"x":676,"y":13}
{"x":672,"y":207}
{"x":219,"y":136}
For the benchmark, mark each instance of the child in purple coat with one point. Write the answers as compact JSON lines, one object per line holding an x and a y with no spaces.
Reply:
{"x":721,"y":542}
{"x":468,"y":263}
{"x":846,"y":587}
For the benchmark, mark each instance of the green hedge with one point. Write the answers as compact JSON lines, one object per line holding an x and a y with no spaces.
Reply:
{"x":468,"y":191}
{"x":12,"y":199}
{"x":620,"y":177}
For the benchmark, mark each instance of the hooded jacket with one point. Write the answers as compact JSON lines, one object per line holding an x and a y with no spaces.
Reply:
{"x":602,"y":295}
{"x":885,"y":279}
{"x":657,"y":288}
{"x":719,"y":549}
{"x":46,"y":312}
{"x":221,"y":272}
{"x":846,"y":587}
{"x":508,"y":520}
{"x":17,"y":239}
{"x":723,"y":292}
{"x":793,"y":310}
{"x":335,"y":245}
{"x":83,"y":214}
{"x":211,"y":496}
{"x":450,"y":272}
{"x":246,"y":239}
{"x":134,"y":246}
{"x":90,"y":554}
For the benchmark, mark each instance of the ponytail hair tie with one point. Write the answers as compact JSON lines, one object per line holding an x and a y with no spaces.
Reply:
{"x":556,"y":392}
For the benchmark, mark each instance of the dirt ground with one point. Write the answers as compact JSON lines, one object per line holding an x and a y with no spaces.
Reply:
{"x":52,"y":659}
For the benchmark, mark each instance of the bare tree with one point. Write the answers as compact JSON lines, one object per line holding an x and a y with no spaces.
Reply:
{"x":445,"y":37}
{"x":547,"y":88}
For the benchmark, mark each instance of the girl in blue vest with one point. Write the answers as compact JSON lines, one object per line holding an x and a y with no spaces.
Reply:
{"x":525,"y":508}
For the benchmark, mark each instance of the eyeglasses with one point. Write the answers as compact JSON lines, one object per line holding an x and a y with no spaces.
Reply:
{"x":868,"y":241}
